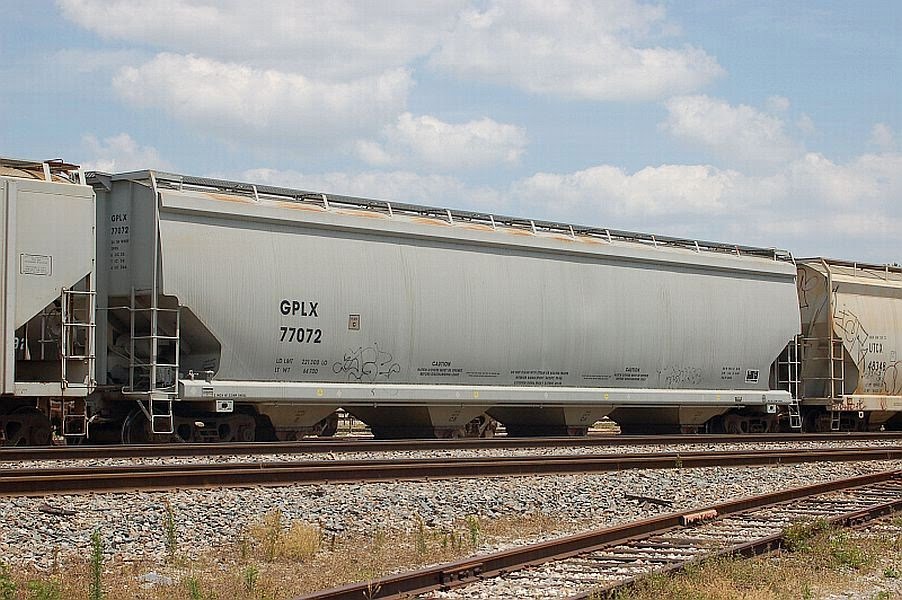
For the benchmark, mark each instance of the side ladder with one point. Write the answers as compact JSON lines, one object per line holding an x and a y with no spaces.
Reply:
{"x":787,"y":375}
{"x":835,"y":420}
{"x":152,"y":380}
{"x":837,"y":380}
{"x":77,"y":356}
{"x":795,"y":416}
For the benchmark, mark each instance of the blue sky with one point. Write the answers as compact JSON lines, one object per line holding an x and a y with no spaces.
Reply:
{"x":764,"y":123}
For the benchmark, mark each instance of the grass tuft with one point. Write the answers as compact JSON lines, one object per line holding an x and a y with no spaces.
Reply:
{"x":297,"y":542}
{"x":192,"y":585}
{"x":420,"y":535}
{"x":300,"y":542}
{"x":821,"y":558}
{"x":42,"y":589}
{"x":473,"y":530}
{"x":798,"y":536}
{"x":250,"y":575}
{"x":95,"y":591}
{"x":8,"y":588}
{"x":171,"y":531}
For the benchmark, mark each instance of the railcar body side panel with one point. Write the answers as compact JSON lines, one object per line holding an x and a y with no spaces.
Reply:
{"x":297,"y":305}
{"x":852,"y":332}
{"x":47,"y":247}
{"x":297,"y":295}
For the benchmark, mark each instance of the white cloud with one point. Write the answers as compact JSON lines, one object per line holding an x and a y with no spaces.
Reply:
{"x":739,"y":135}
{"x":813,"y":206}
{"x":575,"y":49}
{"x":572,"y":48}
{"x":778,"y":104}
{"x":650,"y":192}
{"x":289,"y":75}
{"x":432,"y":143}
{"x":239,"y":103}
{"x":806,"y":125}
{"x":883,"y":137}
{"x":851,"y":187}
{"x":394,"y":186}
{"x":120,"y":153}
{"x":344,"y":39}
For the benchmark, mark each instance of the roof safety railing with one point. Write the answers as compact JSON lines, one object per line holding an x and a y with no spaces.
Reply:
{"x":332,"y":201}
{"x":47,"y":168}
{"x":878,"y":270}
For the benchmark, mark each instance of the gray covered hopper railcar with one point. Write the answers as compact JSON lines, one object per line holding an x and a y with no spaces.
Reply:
{"x":235,"y":311}
{"x":851,"y":345}
{"x":47,"y":308}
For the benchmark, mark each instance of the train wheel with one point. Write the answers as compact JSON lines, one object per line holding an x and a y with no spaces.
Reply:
{"x":26,"y":426}
{"x":491,"y":426}
{"x":715,"y":425}
{"x":247,"y":434}
{"x":265,"y":431}
{"x":330,"y":426}
{"x":136,"y":430}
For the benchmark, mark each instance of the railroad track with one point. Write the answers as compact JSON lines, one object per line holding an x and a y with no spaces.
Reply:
{"x":44,"y":481}
{"x":370,"y":445}
{"x":598,"y":563}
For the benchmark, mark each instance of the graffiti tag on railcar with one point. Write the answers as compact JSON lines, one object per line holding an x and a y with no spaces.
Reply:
{"x":367,"y":364}
{"x":675,"y":377}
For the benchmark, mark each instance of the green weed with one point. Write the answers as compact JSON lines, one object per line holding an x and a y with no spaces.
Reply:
{"x":420,"y":535}
{"x":250,"y":575}
{"x":95,"y":589}
{"x":44,"y":590}
{"x":798,"y":536}
{"x":473,"y":528}
{"x":171,"y":531}
{"x":8,"y":588}
{"x":194,"y":591}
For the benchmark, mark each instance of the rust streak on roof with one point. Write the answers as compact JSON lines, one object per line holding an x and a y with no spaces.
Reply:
{"x":362,"y":213}
{"x":428,"y":221}
{"x":300,"y":206}
{"x":229,"y":198}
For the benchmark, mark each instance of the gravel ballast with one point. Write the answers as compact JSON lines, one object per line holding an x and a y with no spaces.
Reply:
{"x":446,"y":453}
{"x":32,"y":530}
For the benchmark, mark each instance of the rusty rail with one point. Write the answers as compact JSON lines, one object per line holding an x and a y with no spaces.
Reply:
{"x":44,"y":481}
{"x":477,"y":568}
{"x":316,"y":446}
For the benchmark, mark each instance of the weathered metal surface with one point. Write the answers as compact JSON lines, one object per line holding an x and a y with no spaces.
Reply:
{"x":277,"y":300}
{"x":47,"y":244}
{"x":859,"y":308}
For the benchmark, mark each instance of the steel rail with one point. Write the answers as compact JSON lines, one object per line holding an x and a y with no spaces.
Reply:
{"x":45,"y":481}
{"x":750,"y":549}
{"x":315,"y":446}
{"x":757,"y":547}
{"x":482,"y":567}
